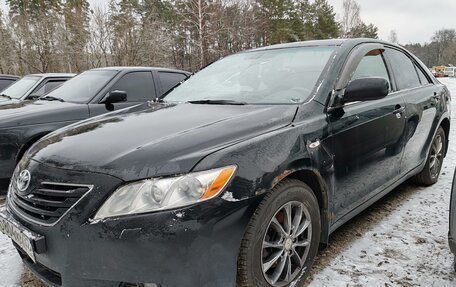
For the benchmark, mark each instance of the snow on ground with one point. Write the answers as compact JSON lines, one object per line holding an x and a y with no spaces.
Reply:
{"x":399,"y":241}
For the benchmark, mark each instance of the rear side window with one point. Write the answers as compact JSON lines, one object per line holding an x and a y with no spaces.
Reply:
{"x":5,"y":83}
{"x":372,"y":65}
{"x":423,"y":79}
{"x":139,"y":86}
{"x":47,"y":87}
{"x":403,"y":69}
{"x":169,"y":80}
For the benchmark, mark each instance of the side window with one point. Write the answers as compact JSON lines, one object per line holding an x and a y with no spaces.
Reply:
{"x":5,"y":83}
{"x":47,"y":87}
{"x":139,"y":86}
{"x":372,"y":65}
{"x":169,"y":80}
{"x":423,"y":79}
{"x":404,"y":70}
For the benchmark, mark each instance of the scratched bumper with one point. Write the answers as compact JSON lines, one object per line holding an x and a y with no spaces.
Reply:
{"x":192,"y":246}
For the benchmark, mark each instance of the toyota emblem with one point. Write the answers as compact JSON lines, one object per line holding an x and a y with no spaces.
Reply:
{"x":23,"y":180}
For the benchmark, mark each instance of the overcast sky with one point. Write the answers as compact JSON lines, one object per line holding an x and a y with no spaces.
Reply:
{"x":413,"y":20}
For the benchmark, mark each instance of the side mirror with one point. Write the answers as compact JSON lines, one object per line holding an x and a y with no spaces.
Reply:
{"x":366,"y":89}
{"x":33,"y":97}
{"x":116,"y":97}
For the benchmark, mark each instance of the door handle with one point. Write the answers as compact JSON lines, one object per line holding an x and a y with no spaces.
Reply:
{"x":399,"y":109}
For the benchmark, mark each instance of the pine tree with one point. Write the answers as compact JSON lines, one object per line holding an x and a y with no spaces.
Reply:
{"x":76,"y":36}
{"x":325,"y":24}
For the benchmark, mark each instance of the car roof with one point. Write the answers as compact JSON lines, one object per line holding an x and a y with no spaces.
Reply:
{"x":330,"y":42}
{"x":53,"y":75}
{"x":133,"y":68}
{"x":4,"y":76}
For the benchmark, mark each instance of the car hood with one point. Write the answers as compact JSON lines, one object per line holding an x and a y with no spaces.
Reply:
{"x":23,"y":113}
{"x":6,"y":101}
{"x":162,"y":140}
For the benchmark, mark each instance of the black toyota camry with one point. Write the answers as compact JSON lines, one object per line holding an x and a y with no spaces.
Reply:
{"x":235,"y":177}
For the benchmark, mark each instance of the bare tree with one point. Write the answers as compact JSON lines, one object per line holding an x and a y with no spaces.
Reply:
{"x":350,"y":17}
{"x":393,"y":37}
{"x":100,"y":41}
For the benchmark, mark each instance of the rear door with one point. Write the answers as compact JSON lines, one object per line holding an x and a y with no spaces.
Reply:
{"x":169,"y":80}
{"x":366,"y":140}
{"x":139,"y":86}
{"x":421,"y":98}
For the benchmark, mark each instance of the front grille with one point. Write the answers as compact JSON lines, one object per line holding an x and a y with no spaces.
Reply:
{"x":48,"y":202}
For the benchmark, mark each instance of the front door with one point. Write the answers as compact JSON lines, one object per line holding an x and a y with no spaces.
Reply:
{"x":139,"y":86}
{"x":366,"y":141}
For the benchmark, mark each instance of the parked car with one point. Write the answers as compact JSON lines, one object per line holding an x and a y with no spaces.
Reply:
{"x":7,"y":80}
{"x":450,"y":72}
{"x":31,"y":87}
{"x":452,"y":233}
{"x":89,"y":94}
{"x":237,"y":176}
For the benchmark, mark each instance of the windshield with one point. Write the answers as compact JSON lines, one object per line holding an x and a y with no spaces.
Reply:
{"x":280,"y":76}
{"x":20,"y":88}
{"x":83,"y":87}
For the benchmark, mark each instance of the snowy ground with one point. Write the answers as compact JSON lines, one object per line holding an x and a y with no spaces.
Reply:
{"x":399,"y":241}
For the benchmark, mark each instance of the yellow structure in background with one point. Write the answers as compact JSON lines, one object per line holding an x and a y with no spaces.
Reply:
{"x":439,"y":68}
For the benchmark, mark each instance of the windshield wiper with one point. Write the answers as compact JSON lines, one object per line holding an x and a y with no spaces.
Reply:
{"x":6,"y":96}
{"x":51,"y":98}
{"x":218,"y":102}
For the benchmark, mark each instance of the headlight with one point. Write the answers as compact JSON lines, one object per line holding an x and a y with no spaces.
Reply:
{"x":165,"y":193}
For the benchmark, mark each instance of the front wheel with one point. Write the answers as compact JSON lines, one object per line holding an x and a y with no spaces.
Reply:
{"x":282,"y":238}
{"x":431,"y":171}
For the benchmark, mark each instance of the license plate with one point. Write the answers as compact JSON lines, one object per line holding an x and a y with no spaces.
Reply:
{"x":20,"y":235}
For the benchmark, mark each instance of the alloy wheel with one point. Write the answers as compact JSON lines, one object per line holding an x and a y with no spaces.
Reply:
{"x":436,"y":156}
{"x":286,"y":244}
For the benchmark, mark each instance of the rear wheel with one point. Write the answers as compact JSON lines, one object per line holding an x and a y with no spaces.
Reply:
{"x":282,"y":238}
{"x":431,"y":171}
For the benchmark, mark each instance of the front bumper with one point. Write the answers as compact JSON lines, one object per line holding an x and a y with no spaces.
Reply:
{"x":192,"y":246}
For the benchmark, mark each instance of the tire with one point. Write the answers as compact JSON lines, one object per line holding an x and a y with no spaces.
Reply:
{"x":288,"y":197}
{"x":431,"y":171}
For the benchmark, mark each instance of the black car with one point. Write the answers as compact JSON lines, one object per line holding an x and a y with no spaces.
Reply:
{"x":7,"y":80}
{"x":33,"y":86}
{"x":89,"y":94}
{"x":235,"y":177}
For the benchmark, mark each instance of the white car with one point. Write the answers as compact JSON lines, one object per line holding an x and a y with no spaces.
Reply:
{"x":450,"y":72}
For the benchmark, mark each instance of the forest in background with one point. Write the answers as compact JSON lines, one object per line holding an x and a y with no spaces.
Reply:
{"x":71,"y":36}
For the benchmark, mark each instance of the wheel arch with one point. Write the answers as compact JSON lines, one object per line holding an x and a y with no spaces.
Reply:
{"x":28,"y":144}
{"x":318,"y":186}
{"x":445,"y":124}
